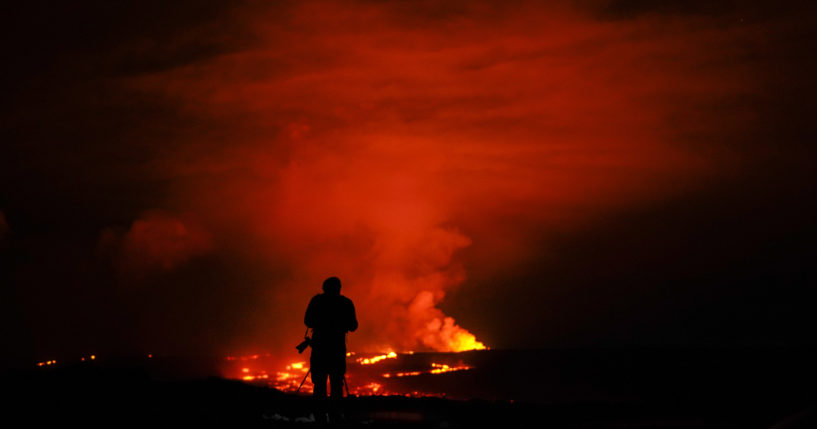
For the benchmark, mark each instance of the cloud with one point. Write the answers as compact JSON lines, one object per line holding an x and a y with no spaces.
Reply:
{"x":423,"y":154}
{"x":157,"y":241}
{"x":362,"y":141}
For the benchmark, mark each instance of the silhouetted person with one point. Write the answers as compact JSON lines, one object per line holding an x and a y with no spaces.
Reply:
{"x":330,"y":315}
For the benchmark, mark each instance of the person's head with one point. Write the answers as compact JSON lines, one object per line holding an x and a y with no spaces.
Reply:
{"x":331,"y":286}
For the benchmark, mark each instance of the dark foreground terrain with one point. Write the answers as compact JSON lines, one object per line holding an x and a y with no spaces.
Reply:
{"x":565,"y":389}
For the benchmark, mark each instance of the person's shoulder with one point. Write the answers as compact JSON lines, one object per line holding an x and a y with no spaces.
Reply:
{"x":345,"y":299}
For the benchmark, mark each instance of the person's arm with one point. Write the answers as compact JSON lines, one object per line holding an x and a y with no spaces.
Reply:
{"x":309,"y":317}
{"x":353,"y":318}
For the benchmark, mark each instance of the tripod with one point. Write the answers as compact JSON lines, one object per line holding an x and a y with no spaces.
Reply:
{"x":301,"y":347}
{"x":302,"y":381}
{"x":345,"y":384}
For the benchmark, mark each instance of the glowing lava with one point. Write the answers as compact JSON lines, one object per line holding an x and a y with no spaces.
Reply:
{"x":436,"y":368}
{"x":465,"y":341}
{"x":376,"y":359}
{"x":366,"y":375}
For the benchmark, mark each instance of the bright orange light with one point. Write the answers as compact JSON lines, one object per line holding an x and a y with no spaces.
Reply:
{"x":368,"y":389}
{"x":294,"y":376}
{"x":369,"y":361}
{"x":296,"y":365}
{"x":465,"y":341}
{"x":406,"y":374}
{"x":437,"y":368}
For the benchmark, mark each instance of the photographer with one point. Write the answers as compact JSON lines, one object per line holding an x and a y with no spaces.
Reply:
{"x":330,"y":315}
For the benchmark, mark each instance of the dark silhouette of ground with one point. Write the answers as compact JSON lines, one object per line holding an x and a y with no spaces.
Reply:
{"x":736,"y":388}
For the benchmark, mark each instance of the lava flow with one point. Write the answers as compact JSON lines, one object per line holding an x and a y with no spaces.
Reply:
{"x":405,"y":374}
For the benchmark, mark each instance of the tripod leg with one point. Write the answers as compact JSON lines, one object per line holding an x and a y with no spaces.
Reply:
{"x":302,"y":381}
{"x":346,"y":385}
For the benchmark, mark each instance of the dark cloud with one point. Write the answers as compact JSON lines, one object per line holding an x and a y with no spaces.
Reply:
{"x":155,"y":241}
{"x":627,"y":9}
{"x":728,"y":265}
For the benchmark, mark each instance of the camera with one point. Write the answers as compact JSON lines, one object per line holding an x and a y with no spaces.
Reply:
{"x":304,"y":344}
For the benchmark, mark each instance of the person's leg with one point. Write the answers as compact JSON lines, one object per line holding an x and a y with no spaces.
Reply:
{"x":336,"y":382}
{"x":319,"y":394}
{"x":336,"y":396}
{"x":319,"y":383}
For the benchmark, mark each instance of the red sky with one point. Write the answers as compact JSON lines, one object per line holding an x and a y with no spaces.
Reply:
{"x":376,"y":147}
{"x":418,"y":151}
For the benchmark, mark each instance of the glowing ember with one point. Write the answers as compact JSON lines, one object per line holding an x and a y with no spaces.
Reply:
{"x":441,"y":368}
{"x":54,"y":361}
{"x":289,"y":379}
{"x":368,"y":389}
{"x":402,"y":374}
{"x":436,"y":368}
{"x":369,"y":361}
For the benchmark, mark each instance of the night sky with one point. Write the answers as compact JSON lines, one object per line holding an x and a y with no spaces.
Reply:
{"x":180,"y":178}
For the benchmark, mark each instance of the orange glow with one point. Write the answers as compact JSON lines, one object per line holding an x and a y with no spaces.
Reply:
{"x":435,"y":369}
{"x":441,"y":368}
{"x":402,"y":374}
{"x":368,"y":389}
{"x":464,"y":341}
{"x":435,"y":155}
{"x":363,"y":377}
{"x":369,"y":361}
